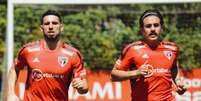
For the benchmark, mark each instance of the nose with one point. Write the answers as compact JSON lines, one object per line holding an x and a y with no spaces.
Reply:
{"x":51,"y":26}
{"x":152,"y":28}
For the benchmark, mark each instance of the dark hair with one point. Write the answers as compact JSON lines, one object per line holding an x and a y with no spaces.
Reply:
{"x":50,"y":12}
{"x":150,"y":12}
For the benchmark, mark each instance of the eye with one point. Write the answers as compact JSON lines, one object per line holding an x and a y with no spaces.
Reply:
{"x":156,"y":25}
{"x":46,"y":23}
{"x":55,"y":23}
{"x":148,"y":25}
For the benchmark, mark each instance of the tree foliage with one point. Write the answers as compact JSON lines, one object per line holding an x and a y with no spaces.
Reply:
{"x":101,"y":31}
{"x":2,"y":32}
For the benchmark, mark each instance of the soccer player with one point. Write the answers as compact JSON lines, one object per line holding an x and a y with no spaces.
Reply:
{"x":150,"y":63}
{"x":52,"y":65}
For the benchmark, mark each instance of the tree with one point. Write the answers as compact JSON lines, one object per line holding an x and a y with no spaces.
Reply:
{"x":101,"y":31}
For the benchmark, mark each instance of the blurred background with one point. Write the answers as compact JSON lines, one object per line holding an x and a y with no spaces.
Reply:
{"x":100,"y":32}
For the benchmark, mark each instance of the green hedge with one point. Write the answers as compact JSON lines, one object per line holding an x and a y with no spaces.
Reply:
{"x":101,"y":43}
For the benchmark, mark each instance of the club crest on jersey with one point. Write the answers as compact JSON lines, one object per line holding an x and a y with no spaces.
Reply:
{"x":168,"y":54}
{"x":62,"y":60}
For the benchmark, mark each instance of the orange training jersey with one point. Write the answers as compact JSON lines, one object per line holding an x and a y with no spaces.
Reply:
{"x":49,"y":71}
{"x":157,"y":85}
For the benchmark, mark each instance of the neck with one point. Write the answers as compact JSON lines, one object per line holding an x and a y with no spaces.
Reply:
{"x":52,"y":44}
{"x":153,"y":44}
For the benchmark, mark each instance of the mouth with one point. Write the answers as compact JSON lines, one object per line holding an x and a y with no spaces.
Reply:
{"x":153,"y":34}
{"x":50,"y":31}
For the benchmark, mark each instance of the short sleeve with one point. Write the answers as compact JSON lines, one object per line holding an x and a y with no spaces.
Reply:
{"x":78,"y":66}
{"x":125,"y":60}
{"x":20,"y":60}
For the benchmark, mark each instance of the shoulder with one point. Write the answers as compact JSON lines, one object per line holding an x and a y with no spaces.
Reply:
{"x":170,"y":45}
{"x":31,"y":47}
{"x":70,"y":50}
{"x":134,"y":45}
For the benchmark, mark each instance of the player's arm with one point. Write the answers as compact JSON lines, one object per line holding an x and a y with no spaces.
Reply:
{"x":119,"y":75}
{"x":177,"y":79}
{"x":11,"y":81}
{"x":174,"y":72}
{"x":81,"y":84}
{"x":79,"y":81}
{"x":12,"y":76}
{"x":121,"y":70}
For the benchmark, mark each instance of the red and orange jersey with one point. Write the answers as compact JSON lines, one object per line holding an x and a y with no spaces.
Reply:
{"x":157,"y":85}
{"x":49,"y":71}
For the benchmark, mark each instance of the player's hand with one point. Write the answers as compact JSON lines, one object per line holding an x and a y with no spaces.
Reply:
{"x":181,"y":88}
{"x":143,"y":70}
{"x":80,"y":84}
{"x":12,"y":97}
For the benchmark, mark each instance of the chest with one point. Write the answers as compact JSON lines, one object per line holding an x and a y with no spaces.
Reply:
{"x":49,"y":62}
{"x":161,"y":58}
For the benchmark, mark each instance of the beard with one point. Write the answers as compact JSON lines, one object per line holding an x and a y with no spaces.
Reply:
{"x":153,"y":35}
{"x":52,"y":38}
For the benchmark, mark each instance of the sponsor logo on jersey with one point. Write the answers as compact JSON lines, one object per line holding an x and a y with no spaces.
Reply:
{"x":62,"y":60}
{"x":156,"y":70}
{"x":38,"y":75}
{"x":168,"y":54}
{"x":150,"y":70}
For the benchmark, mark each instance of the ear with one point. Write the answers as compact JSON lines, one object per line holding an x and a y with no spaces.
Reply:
{"x":41,"y":28}
{"x":62,"y":27}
